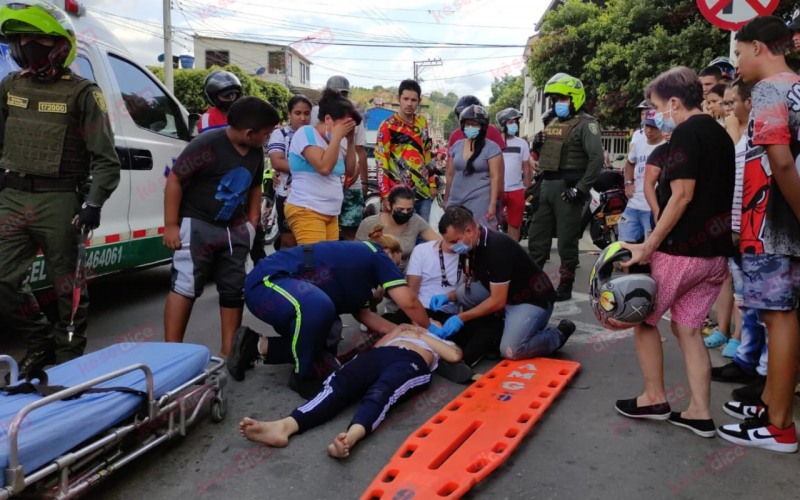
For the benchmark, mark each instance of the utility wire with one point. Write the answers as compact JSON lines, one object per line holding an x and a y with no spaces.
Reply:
{"x":283,"y":38}
{"x":336,"y":71}
{"x":404,"y":21}
{"x":157,"y":35}
{"x":358,"y":36}
{"x":235,"y":59}
{"x":296,"y":26}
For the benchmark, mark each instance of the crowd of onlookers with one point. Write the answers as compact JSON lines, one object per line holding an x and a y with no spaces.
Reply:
{"x":712,"y":182}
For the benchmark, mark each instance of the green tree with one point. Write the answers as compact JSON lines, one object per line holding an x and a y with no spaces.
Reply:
{"x":450,"y":124}
{"x":448,"y":100}
{"x":189,"y":88}
{"x":615,"y":51}
{"x":506,"y":93}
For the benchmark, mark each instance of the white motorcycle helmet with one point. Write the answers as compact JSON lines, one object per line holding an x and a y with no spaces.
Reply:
{"x":372,"y":204}
{"x":624,"y":300}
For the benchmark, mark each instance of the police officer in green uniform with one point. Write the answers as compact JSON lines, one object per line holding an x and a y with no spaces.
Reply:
{"x":58,"y":167}
{"x":570,"y":160}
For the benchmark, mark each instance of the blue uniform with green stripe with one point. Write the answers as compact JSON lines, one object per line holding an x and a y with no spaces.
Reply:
{"x":302,"y":305}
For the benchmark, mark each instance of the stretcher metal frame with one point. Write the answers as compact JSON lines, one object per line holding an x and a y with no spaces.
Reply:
{"x":96,"y":460}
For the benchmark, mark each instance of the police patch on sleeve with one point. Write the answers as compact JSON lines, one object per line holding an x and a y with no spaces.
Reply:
{"x":100,"y":100}
{"x":594,"y":128}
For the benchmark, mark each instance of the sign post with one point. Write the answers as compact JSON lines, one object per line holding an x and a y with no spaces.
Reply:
{"x":733,"y":14}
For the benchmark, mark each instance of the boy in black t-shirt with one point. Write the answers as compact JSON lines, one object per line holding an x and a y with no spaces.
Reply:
{"x":211,"y":207}
{"x":500,"y":275}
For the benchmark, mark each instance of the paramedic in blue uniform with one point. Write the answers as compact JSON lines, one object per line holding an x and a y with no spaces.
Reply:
{"x":301,"y":292}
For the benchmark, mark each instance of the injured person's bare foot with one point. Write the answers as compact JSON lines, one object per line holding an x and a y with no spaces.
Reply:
{"x":340,"y":448}
{"x":275,"y":433}
{"x":344,"y":442}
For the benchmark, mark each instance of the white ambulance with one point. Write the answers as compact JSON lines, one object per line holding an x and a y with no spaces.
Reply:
{"x":151,"y":128}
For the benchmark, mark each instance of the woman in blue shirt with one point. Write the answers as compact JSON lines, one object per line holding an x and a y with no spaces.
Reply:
{"x":301,"y":292}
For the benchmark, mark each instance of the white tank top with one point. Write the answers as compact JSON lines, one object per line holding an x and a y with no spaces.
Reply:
{"x":422,"y":344}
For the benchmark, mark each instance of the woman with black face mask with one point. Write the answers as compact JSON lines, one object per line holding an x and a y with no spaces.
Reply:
{"x":401,"y":222}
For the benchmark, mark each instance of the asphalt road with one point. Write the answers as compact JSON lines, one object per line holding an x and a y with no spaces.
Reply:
{"x":580,"y":448}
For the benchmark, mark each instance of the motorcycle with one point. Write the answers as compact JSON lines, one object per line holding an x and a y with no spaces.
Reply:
{"x":268,"y":227}
{"x":527,"y":216}
{"x":604,"y":209}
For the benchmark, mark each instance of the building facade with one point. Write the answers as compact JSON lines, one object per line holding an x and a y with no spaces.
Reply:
{"x":275,"y":63}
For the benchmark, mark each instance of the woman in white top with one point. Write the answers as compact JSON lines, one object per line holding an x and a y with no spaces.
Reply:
{"x":433,"y":270}
{"x":278,"y":150}
{"x":318,"y":157}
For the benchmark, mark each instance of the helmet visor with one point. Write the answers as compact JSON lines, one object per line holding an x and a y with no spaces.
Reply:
{"x":229,"y":94}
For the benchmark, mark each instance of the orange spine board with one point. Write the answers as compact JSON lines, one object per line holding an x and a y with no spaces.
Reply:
{"x":473,"y":434}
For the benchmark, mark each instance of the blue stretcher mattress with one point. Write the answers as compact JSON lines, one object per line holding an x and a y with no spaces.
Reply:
{"x":52,"y":430}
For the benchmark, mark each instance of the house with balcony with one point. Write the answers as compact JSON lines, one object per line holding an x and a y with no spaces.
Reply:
{"x":284,"y":64}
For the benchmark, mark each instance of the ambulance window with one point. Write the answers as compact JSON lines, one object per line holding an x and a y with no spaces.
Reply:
{"x":149,"y":107}
{"x":82,"y":67}
{"x":7,"y":63}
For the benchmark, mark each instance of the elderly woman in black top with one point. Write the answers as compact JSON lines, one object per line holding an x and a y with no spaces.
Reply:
{"x":688,"y":248}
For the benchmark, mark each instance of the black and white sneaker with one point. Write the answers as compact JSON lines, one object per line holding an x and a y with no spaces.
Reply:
{"x":629,"y":408}
{"x":703,"y":428}
{"x":759,"y":433}
{"x":245,"y":352}
{"x":742,"y":411}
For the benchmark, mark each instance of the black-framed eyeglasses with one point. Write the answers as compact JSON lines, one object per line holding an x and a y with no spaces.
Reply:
{"x":404,"y":210}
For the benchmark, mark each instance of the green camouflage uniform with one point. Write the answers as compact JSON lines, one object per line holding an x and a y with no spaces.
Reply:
{"x":571,"y":156}
{"x":53,"y":136}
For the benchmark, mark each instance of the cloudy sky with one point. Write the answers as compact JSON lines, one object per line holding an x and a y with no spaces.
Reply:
{"x":491,"y":22}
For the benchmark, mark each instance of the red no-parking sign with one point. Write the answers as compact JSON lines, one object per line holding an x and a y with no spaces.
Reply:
{"x":733,"y":14}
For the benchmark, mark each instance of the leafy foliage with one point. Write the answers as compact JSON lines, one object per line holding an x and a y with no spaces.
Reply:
{"x":450,"y":124}
{"x":448,"y":100}
{"x":506,"y":93}
{"x":189,"y":88}
{"x":615,"y":51}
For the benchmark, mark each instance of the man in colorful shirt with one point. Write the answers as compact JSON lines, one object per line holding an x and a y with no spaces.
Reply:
{"x":770,"y":228}
{"x":403,"y":151}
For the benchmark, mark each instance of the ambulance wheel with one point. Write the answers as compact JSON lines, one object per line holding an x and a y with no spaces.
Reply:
{"x":217,"y":410}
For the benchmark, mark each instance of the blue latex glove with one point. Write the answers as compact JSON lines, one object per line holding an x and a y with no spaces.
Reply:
{"x":436,"y":330}
{"x":438,"y":301}
{"x":452,"y":326}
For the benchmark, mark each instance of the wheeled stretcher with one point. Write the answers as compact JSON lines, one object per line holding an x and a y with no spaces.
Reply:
{"x":97,"y":413}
